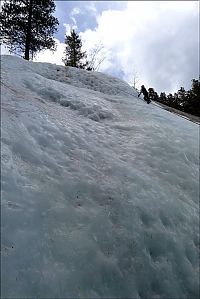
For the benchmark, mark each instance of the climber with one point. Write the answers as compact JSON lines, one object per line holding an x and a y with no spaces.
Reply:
{"x":145,"y":93}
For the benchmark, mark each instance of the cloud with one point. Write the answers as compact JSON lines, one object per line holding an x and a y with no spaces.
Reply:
{"x":1,"y":4}
{"x":75,"y":11}
{"x":91,"y":7}
{"x":158,"y":39}
{"x":69,"y":27}
{"x":4,"y":50}
{"x":52,"y":57}
{"x":45,"y":55}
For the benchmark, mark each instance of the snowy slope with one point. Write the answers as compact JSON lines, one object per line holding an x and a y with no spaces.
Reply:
{"x":99,"y":190}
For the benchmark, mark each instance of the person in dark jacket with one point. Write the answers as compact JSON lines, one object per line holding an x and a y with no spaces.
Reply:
{"x":145,"y":93}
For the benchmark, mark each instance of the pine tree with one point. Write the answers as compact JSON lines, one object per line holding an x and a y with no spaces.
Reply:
{"x":73,"y":55}
{"x":163,"y":98}
{"x":152,"y":94}
{"x":170,"y":99}
{"x":192,"y":103}
{"x":28,"y":26}
{"x":182,"y":95}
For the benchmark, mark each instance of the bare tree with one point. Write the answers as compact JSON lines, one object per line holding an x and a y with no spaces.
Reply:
{"x":136,"y":79}
{"x":95,"y":57}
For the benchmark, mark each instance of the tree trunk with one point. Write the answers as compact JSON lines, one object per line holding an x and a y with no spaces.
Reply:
{"x":28,"y":32}
{"x":74,"y":54}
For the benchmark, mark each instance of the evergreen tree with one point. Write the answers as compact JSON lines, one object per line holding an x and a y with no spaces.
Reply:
{"x":182,"y":97}
{"x":73,"y":55}
{"x":187,"y":101}
{"x":163,"y":98}
{"x":181,"y":92}
{"x":28,"y":26}
{"x":192,"y":103}
{"x":170,"y":100}
{"x":152,"y":94}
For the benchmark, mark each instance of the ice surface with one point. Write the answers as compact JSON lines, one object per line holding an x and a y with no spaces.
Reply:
{"x":99,"y":191}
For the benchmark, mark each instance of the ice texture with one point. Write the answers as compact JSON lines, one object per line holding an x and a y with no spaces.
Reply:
{"x":99,"y":191}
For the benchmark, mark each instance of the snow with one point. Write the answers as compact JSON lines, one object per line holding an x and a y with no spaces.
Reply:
{"x":99,"y":191}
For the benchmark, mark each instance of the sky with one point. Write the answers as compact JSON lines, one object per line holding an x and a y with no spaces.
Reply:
{"x":155,"y":43}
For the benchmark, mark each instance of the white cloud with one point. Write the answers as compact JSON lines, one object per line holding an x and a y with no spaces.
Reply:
{"x":52,"y":57}
{"x":4,"y":50}
{"x":75,"y":11}
{"x":90,"y":6}
{"x":157,"y":38}
{"x":1,"y":4}
{"x":69,"y":27}
{"x":44,"y":56}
